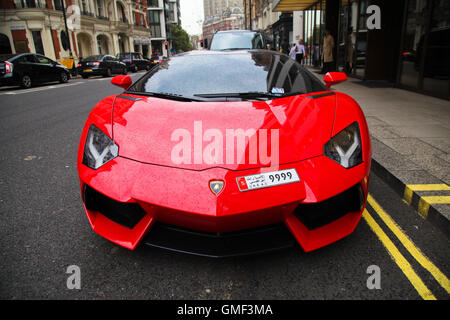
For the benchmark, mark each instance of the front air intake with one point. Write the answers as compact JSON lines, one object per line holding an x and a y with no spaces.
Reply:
{"x":316,"y":215}
{"x":125,"y":214}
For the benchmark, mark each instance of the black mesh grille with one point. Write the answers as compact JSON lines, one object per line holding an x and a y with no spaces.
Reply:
{"x":315,"y":215}
{"x":125,"y":214}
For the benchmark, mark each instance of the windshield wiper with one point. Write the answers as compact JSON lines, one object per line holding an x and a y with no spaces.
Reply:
{"x":244,"y":95}
{"x":163,"y":95}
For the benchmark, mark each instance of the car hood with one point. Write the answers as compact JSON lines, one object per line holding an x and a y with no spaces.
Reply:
{"x":202,"y":135}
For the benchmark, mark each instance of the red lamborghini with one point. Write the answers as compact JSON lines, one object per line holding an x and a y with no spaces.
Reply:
{"x":223,"y":154}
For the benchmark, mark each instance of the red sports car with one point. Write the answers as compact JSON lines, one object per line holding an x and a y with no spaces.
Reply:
{"x":223,"y":154}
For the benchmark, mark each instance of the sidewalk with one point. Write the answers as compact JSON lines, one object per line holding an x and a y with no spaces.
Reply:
{"x":410,"y":145}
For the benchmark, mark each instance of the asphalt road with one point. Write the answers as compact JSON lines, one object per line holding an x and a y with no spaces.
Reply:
{"x":43,"y":229}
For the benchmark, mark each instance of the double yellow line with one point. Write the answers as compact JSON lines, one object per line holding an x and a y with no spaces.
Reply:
{"x":396,"y":255}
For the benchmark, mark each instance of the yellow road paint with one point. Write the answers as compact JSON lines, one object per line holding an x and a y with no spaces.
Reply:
{"x":398,"y":258}
{"x":407,"y":196}
{"x":423,"y":208}
{"x":424,"y":203}
{"x":409,"y":245}
{"x":436,"y":199}
{"x":428,"y":187}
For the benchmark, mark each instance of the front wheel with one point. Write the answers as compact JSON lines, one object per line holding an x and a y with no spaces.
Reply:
{"x":124,"y":71}
{"x":63,"y":77}
{"x":84,"y":76}
{"x":25,"y":81}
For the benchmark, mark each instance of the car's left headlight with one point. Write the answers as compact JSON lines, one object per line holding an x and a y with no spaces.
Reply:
{"x":345,"y":147}
{"x":98,"y":149}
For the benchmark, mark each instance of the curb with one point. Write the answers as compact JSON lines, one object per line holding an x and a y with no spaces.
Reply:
{"x":413,"y":195}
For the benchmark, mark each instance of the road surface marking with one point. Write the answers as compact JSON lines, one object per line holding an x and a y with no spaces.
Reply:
{"x":41,"y":88}
{"x":408,"y":194}
{"x":409,"y":245}
{"x":424,"y":203}
{"x":398,"y":258}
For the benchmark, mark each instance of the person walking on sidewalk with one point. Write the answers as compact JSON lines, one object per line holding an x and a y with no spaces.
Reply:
{"x":300,"y":51}
{"x":328,"y":46}
{"x":292,"y":52}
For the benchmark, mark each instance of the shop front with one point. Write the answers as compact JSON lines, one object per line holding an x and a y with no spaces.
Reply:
{"x":410,"y":49}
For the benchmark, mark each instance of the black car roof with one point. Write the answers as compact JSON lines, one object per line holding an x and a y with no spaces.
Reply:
{"x":5,"y":57}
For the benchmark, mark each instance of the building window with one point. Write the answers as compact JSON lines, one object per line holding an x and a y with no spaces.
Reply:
{"x":122,"y":16}
{"x":153,"y":17}
{"x":141,"y":16}
{"x":155,"y":31}
{"x":171,"y":17}
{"x":152,"y":3}
{"x":99,"y":8}
{"x":57,"y":4}
{"x":436,"y":64}
{"x":84,"y":6}
{"x":412,"y":43}
{"x":37,"y":39}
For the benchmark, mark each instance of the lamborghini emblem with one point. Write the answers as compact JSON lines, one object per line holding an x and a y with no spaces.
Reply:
{"x":216,"y":186}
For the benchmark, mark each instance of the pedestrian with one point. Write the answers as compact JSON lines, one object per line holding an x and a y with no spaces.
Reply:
{"x":349,"y":51}
{"x":300,"y":51}
{"x":328,"y":46}
{"x":292,"y":53}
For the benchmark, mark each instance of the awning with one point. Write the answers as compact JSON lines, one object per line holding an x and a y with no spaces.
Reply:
{"x":292,"y":5}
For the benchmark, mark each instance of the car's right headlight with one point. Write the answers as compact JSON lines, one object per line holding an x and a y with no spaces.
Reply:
{"x":98,"y":149}
{"x":345,"y":147}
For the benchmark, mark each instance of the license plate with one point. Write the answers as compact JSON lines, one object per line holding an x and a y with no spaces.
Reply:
{"x":87,"y":70}
{"x":267,"y":179}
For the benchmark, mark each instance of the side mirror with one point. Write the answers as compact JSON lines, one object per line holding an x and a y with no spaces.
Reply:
{"x":332,"y":78}
{"x":123,"y":81}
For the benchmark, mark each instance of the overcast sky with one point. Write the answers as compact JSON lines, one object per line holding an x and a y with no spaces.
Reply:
{"x":192,"y":16}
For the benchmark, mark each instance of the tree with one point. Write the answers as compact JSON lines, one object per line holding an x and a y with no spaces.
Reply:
{"x":180,"y":39}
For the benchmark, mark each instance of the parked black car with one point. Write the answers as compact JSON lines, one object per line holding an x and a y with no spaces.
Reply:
{"x":27,"y":69}
{"x":103,"y":65}
{"x":134,"y":61}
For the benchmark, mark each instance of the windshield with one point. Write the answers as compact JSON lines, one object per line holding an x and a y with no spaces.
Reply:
{"x":93,"y":58}
{"x":236,"y":41}
{"x":260,"y":72}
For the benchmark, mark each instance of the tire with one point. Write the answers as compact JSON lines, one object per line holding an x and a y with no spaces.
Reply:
{"x":147,"y":68}
{"x":63,"y":77}
{"x":135,"y":69}
{"x":25,"y":81}
{"x":108,"y":73}
{"x":124,"y":71}
{"x":84,"y":76}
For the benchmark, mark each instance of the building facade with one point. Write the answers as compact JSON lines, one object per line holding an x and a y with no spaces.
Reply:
{"x":220,"y":15}
{"x":94,"y":27}
{"x":162,"y":15}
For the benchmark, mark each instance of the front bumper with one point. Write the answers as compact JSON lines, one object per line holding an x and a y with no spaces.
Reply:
{"x":129,"y":202}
